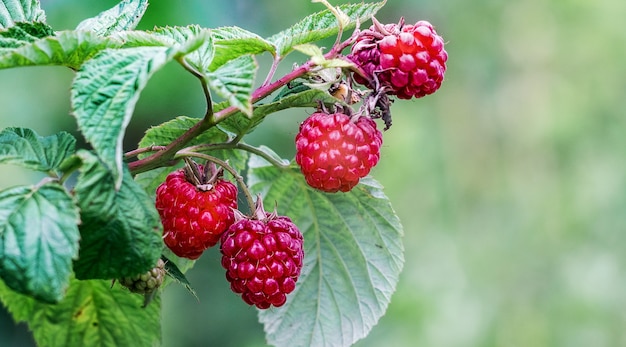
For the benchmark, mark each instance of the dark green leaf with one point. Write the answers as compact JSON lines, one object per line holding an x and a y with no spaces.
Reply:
{"x":23,"y":33}
{"x":241,"y":124}
{"x":120,"y":230}
{"x":174,"y":272}
{"x":92,"y":314}
{"x":165,"y":133}
{"x":24,"y":147}
{"x":321,"y":25}
{"x":68,"y":48}
{"x":12,"y":11}
{"x":123,"y":16}
{"x":38,"y":240}
{"x":234,"y":42}
{"x":234,"y":81}
{"x":353,"y":258}
{"x":105,"y":92}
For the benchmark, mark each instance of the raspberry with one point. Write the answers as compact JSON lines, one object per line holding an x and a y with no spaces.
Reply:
{"x":194,"y":215}
{"x":263,"y":257}
{"x":334,"y":150}
{"x":148,"y":282}
{"x":408,"y":60}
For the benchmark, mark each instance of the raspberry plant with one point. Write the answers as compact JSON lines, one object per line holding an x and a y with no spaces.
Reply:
{"x":321,"y":269}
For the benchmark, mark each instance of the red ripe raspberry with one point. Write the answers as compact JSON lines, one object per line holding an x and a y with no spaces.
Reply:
{"x":334,"y":151}
{"x":408,"y":60}
{"x":194,"y":215}
{"x":263,"y":258}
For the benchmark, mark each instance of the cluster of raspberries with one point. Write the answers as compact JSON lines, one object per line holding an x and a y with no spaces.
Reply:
{"x":263,"y":253}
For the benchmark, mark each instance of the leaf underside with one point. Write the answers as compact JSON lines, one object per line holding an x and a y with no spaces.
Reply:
{"x":353,"y":258}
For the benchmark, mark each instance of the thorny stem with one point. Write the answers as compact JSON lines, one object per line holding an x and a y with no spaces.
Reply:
{"x":187,"y":153}
{"x":164,"y":156}
{"x":138,"y":151}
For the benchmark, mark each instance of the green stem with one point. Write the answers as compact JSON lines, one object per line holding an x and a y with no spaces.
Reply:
{"x":242,"y":146}
{"x":205,"y":85}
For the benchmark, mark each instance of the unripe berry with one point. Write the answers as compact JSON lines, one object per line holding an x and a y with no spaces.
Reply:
{"x":148,"y":282}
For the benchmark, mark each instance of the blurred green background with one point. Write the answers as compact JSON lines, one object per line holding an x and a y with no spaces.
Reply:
{"x":510,"y":180}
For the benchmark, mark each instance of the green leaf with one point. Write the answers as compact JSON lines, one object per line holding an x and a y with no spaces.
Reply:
{"x":174,"y":272}
{"x":23,"y":33}
{"x":123,"y":16}
{"x":241,"y":124}
{"x":104,"y":94}
{"x":169,"y":131}
{"x":38,"y":240}
{"x":68,"y":48}
{"x":194,"y":41}
{"x":12,"y":11}
{"x":353,"y":258}
{"x":120,"y":230}
{"x":321,"y":25}
{"x":92,"y":314}
{"x":234,"y":81}
{"x":24,"y":147}
{"x":234,"y":42}
{"x":150,"y":180}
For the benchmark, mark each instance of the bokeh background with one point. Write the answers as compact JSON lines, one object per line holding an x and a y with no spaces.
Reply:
{"x":510,"y":180}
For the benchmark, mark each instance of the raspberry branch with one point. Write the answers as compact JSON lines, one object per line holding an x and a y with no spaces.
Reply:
{"x":163,"y":157}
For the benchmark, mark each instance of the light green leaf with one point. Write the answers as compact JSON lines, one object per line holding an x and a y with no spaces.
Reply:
{"x":123,"y":16}
{"x":68,"y":48}
{"x":38,"y":240}
{"x":353,"y":258}
{"x":234,"y":42}
{"x":120,"y":230}
{"x":24,"y":147}
{"x":309,"y":49}
{"x":241,"y":124}
{"x":150,"y":180}
{"x":92,"y":314}
{"x":321,"y":25}
{"x":104,"y":94}
{"x":194,"y":41}
{"x":12,"y":11}
{"x":234,"y":81}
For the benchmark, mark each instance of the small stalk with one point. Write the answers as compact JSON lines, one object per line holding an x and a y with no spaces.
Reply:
{"x":227,"y":167}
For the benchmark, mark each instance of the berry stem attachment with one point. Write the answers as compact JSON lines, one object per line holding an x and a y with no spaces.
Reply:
{"x":188,"y":153}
